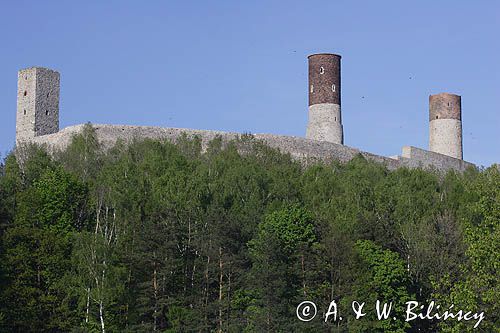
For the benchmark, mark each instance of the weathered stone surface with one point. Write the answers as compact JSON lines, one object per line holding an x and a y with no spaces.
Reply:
{"x":37,"y":102}
{"x":445,"y":137}
{"x":302,"y":149}
{"x":325,"y":123}
{"x":417,"y":157}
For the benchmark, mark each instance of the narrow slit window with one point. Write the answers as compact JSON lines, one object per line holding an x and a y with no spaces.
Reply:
{"x":322,"y":70}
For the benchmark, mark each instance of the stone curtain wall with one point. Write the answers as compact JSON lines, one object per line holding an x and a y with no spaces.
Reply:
{"x":301,"y":149}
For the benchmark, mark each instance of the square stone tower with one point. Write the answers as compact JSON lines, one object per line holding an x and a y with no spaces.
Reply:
{"x":37,"y":103}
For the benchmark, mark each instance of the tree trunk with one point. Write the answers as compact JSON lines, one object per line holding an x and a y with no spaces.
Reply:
{"x":221,"y":277}
{"x":155,"y":288}
{"x":303,"y":275}
{"x":206,"y":288}
{"x":101,"y":316}
{"x":228,"y":297}
{"x":87,"y":311}
{"x":101,"y":304}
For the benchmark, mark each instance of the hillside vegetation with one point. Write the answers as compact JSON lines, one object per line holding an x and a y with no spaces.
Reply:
{"x":160,"y":237}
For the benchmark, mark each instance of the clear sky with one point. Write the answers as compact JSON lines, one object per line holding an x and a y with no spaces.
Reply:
{"x":242,"y":65}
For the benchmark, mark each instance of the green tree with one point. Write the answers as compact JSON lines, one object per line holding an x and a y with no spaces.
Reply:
{"x":382,"y":277}
{"x":279,"y":255}
{"x":153,"y":236}
{"x":38,"y":250}
{"x":477,"y":286}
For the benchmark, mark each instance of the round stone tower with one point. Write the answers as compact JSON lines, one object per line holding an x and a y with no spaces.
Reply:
{"x":445,"y":124}
{"x":325,"y":120}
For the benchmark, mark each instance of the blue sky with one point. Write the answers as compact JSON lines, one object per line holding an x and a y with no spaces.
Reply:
{"x":242,"y":65}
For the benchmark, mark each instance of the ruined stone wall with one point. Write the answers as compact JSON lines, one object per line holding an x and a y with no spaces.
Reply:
{"x":302,"y":149}
{"x":417,"y":157}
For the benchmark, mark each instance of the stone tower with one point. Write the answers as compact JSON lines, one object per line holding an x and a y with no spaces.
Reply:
{"x":445,"y":124}
{"x":37,"y":103}
{"x":325,"y":120}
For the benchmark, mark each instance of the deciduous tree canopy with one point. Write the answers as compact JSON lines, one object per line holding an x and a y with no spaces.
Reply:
{"x":153,"y":236}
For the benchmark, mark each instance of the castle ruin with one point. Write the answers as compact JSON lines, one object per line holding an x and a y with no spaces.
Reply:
{"x":37,"y":103}
{"x":325,"y":117}
{"x":38,"y":121}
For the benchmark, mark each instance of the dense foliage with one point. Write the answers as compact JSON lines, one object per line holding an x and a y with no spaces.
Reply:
{"x":161,"y":237}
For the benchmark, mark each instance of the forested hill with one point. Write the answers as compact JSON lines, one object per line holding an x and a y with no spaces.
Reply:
{"x":159,"y":237}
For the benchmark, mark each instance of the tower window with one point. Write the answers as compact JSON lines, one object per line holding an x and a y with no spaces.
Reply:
{"x":448,"y":103}
{"x":25,"y":93}
{"x":47,"y":95}
{"x":322,"y":70}
{"x":312,"y":88}
{"x":24,"y":111}
{"x":47,"y":112}
{"x":333,"y":87}
{"x":437,"y":117}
